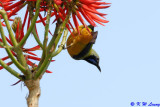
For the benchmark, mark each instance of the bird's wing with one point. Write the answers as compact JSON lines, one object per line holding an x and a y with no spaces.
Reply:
{"x":94,"y":34}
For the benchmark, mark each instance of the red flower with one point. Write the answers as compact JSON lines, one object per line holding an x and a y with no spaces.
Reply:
{"x":12,"y":8}
{"x":86,"y":8}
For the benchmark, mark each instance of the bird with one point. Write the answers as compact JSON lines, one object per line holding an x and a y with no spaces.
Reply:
{"x":80,"y":42}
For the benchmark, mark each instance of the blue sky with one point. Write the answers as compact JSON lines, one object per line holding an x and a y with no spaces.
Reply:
{"x":130,"y":61}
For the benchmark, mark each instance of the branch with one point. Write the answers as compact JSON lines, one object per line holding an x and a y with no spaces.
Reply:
{"x":32,"y":23}
{"x":18,"y":50}
{"x":57,"y":31}
{"x":20,"y":55}
{"x":51,"y":48}
{"x":62,"y":43}
{"x":9,"y":51}
{"x":58,"y":24}
{"x":47,"y":29}
{"x":13,"y":39}
{"x":1,"y":44}
{"x":9,"y":69}
{"x":36,"y":38}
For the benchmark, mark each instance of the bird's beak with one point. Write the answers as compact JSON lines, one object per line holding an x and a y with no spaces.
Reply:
{"x":98,"y":67}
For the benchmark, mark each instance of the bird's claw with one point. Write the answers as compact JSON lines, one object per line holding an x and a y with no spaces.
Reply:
{"x":63,"y":46}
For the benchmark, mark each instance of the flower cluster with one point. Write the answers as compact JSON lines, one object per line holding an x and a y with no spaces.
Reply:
{"x":80,"y":9}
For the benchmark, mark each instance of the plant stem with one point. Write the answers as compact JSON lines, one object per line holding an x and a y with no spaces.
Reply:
{"x":22,"y":60}
{"x":58,"y":24}
{"x":9,"y":51}
{"x":1,"y":44}
{"x":47,"y":29}
{"x":13,"y":39}
{"x":36,"y":38}
{"x":62,"y":43}
{"x":9,"y":69}
{"x":51,"y":48}
{"x":32,"y":23}
{"x":34,"y":92}
{"x":46,"y":34}
{"x":18,"y":50}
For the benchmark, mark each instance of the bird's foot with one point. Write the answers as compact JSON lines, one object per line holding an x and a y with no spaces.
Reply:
{"x":63,"y":46}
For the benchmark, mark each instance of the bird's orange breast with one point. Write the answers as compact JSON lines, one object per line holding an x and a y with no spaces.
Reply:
{"x":77,"y":43}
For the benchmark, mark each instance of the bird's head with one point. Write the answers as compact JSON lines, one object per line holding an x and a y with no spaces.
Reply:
{"x":93,"y":58}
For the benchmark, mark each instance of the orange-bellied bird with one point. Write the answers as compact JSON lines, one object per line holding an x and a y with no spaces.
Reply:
{"x":79,"y":45}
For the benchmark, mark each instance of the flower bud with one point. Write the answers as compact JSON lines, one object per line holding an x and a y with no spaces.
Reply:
{"x":15,"y":25}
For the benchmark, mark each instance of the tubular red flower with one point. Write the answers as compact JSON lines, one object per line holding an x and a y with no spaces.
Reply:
{"x":25,"y":18}
{"x":86,"y":8}
{"x":5,"y":58}
{"x":13,"y":6}
{"x":58,"y":2}
{"x":75,"y":22}
{"x":3,"y":24}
